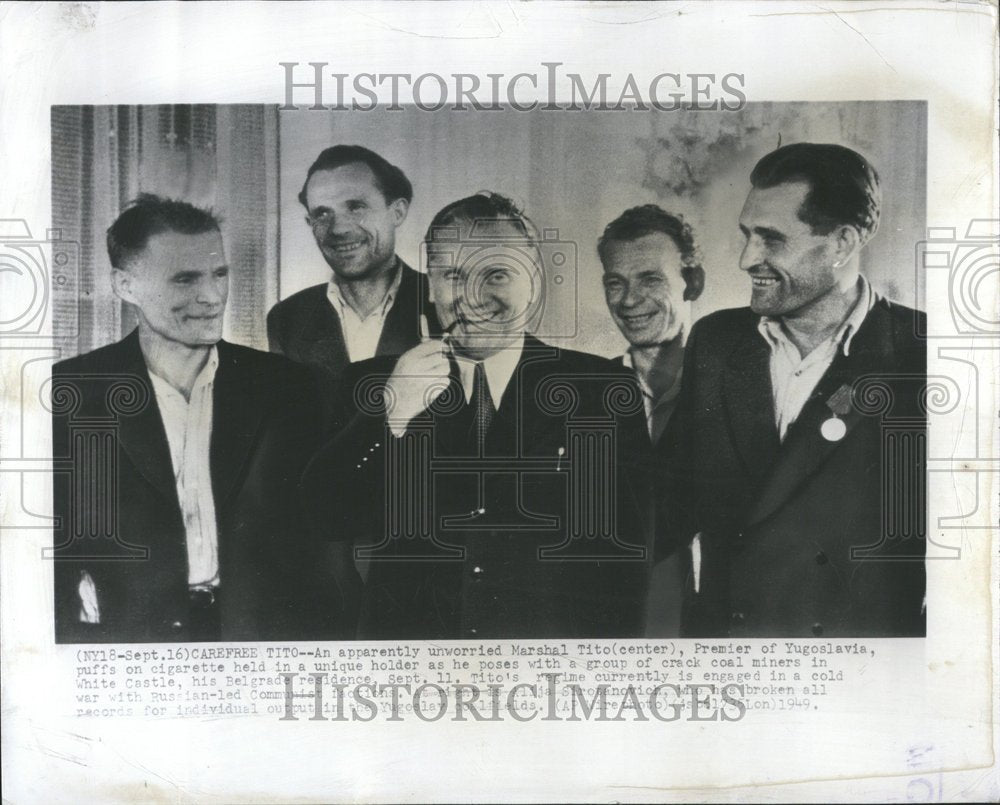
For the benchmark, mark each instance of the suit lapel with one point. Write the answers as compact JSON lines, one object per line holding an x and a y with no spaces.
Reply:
{"x":239,"y":403}
{"x":322,"y":334}
{"x":749,"y":404}
{"x":401,"y":329}
{"x":142,"y":435}
{"x":805,"y":449}
{"x":519,"y":405}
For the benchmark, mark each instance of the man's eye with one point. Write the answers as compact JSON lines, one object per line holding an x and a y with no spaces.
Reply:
{"x":652,"y":281}
{"x":355,"y":206}
{"x":498,"y":276}
{"x":452,"y":274}
{"x":222,"y":272}
{"x":182,"y":280}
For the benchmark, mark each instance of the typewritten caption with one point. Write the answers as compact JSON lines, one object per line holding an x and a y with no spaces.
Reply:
{"x":486,"y":681}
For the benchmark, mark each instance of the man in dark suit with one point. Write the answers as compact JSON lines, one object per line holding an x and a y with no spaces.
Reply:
{"x":796,"y":454}
{"x":176,"y":510}
{"x":354,"y":202}
{"x":651,"y":276}
{"x":489,"y":476}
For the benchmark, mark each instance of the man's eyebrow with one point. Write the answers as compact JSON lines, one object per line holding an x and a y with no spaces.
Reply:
{"x":764,"y":232}
{"x":190,"y":275}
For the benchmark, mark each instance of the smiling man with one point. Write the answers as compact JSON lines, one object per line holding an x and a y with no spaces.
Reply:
{"x":354,"y":200}
{"x":796,"y":455}
{"x":176,"y":515}
{"x":487,"y":475}
{"x":651,"y":276}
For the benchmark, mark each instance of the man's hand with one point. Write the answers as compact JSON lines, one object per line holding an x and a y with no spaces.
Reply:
{"x":420,"y":377}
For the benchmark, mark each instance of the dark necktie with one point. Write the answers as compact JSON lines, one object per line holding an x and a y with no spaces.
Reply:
{"x":482,"y":405}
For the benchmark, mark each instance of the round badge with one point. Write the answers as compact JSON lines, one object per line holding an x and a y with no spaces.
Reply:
{"x":833,"y":429}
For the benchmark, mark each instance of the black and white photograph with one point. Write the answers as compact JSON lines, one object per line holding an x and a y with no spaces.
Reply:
{"x":499,"y":401}
{"x":410,"y":375}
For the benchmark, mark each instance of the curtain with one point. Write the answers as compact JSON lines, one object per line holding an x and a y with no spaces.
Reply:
{"x":222,"y":157}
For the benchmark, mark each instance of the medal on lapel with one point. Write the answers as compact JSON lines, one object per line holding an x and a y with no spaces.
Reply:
{"x":834,"y":429}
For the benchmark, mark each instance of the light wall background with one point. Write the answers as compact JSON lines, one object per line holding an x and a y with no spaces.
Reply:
{"x":576,"y":171}
{"x":573,"y":172}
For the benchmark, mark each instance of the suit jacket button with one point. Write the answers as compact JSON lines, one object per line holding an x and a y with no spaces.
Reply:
{"x":176,"y":626}
{"x":817,"y":629}
{"x":472,"y":631}
{"x":738,"y":617}
{"x":477,"y":571}
{"x":821,"y":558}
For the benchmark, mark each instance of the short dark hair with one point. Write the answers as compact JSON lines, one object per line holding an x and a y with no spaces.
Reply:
{"x":388,"y":178}
{"x":647,"y":219}
{"x":149,"y":215}
{"x":484,"y":206}
{"x":843,"y":185}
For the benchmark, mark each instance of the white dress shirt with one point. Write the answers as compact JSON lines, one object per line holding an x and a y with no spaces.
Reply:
{"x":189,"y":433}
{"x":499,"y":369}
{"x":793,"y":377}
{"x":361,"y":335}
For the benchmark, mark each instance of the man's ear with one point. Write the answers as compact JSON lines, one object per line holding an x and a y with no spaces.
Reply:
{"x":846,"y":242}
{"x":121,"y":284}
{"x":694,"y":282}
{"x":400,"y":207}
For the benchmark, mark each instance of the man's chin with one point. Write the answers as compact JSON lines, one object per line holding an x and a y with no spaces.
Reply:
{"x":764,"y":307}
{"x":203,"y":339}
{"x":480,"y":345}
{"x":356,"y":266}
{"x":350,"y":269}
{"x":646,"y":337}
{"x":644,"y":342}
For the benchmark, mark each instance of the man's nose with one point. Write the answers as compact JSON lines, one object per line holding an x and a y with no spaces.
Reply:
{"x":750,"y":256}
{"x":214,"y":291}
{"x":631,"y":297}
{"x":334,"y":224}
{"x":479,"y":294}
{"x":339,"y":225}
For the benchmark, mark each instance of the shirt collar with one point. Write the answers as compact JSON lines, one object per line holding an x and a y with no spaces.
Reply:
{"x":772,"y":331}
{"x":676,"y":348}
{"x":204,"y":378}
{"x":628,"y":363}
{"x":337,"y":299}
{"x":499,"y":369}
